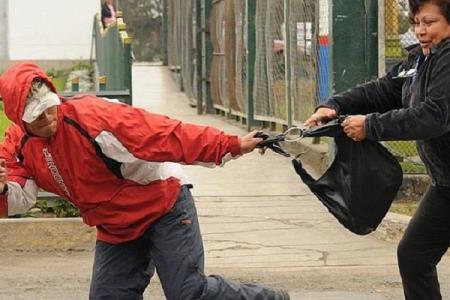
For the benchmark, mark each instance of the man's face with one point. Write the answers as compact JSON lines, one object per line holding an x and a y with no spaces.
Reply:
{"x":45,"y":125}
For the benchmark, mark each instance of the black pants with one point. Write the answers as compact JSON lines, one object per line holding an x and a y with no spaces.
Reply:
{"x":426,"y":240}
{"x":173,"y":246}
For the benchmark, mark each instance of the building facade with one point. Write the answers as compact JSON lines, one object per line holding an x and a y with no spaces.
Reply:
{"x":46,"y":29}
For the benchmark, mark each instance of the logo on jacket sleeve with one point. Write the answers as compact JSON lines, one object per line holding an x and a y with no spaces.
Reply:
{"x":54,"y":170}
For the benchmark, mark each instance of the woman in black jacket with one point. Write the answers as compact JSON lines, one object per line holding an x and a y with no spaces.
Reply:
{"x":412,"y":102}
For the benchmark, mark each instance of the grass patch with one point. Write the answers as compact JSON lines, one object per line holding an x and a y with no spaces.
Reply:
{"x":404,"y":208}
{"x":4,"y":122}
{"x":403,"y":148}
{"x":412,"y":168}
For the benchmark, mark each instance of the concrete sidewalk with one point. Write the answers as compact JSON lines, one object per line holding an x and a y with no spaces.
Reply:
{"x":259,"y":224}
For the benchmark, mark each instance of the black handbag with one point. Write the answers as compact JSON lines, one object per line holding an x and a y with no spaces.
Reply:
{"x":359,"y":186}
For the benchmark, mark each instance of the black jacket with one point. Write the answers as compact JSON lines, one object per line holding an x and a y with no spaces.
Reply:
{"x":402,"y":106}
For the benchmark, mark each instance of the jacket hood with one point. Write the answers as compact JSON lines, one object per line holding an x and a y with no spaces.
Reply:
{"x":15,"y":85}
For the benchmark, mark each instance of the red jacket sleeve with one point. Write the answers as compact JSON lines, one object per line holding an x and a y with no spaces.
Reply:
{"x":8,"y":150}
{"x":3,"y":206}
{"x":155,"y":137}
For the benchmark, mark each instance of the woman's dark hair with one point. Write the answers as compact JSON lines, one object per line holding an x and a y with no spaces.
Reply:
{"x":415,"y":5}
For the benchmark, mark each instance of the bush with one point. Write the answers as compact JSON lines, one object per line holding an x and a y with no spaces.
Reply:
{"x":59,"y":208}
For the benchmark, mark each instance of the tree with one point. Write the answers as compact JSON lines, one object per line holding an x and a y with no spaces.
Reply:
{"x":143,"y":19}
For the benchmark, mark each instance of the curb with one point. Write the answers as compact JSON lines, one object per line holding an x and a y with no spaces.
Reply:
{"x":46,"y":235}
{"x":392,"y":227}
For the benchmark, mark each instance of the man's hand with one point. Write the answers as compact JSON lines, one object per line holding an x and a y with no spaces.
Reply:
{"x":3,"y":174}
{"x":249,"y":142}
{"x":322,"y":115}
{"x":354,"y":127}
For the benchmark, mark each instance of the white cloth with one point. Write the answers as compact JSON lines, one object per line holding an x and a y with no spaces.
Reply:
{"x":38,"y":101}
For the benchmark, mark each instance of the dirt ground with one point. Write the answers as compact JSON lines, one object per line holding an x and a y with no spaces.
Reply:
{"x":66,"y":275}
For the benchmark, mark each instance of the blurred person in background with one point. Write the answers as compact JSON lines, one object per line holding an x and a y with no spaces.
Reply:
{"x":108,"y":13}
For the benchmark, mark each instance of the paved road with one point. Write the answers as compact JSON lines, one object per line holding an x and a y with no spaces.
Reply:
{"x":259,"y":224}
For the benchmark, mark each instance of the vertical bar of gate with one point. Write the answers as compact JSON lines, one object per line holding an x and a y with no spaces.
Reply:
{"x":381,"y":39}
{"x":322,"y":12}
{"x":287,"y":60}
{"x":165,"y":31}
{"x":207,"y":54}
{"x":198,"y":55}
{"x":371,"y":8}
{"x":128,"y":63}
{"x":251,"y":58}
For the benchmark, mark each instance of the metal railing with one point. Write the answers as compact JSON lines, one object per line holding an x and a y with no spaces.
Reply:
{"x":113,"y":58}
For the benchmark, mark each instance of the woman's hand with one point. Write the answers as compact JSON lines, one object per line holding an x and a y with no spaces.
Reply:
{"x":354,"y":127}
{"x":322,"y":115}
{"x":249,"y":142}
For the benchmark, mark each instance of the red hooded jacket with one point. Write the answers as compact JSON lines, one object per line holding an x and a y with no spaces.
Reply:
{"x":114,"y":162}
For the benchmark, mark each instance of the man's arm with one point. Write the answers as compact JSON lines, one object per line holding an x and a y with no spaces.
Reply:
{"x":137,"y":134}
{"x":18,"y":190}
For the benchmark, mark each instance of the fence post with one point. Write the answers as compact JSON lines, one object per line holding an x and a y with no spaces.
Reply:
{"x":198,"y":55}
{"x":371,"y":7}
{"x":287,"y":59}
{"x":207,"y":54}
{"x":251,"y":58}
{"x":165,"y":33}
{"x":128,"y":63}
{"x":322,"y":11}
{"x":381,"y":38}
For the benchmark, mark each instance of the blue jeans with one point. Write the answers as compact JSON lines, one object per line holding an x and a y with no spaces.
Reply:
{"x":173,"y":246}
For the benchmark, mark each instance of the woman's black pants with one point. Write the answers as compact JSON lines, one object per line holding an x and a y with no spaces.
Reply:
{"x":426,"y":240}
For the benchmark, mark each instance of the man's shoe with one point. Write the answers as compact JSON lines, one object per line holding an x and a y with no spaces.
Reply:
{"x":281,"y":294}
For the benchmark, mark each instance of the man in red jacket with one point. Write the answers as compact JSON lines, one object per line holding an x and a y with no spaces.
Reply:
{"x":119,"y":166}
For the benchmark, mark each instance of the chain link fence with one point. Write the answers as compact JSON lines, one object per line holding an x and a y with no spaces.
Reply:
{"x":287,"y":60}
{"x":240,"y":15}
{"x":270,"y":59}
{"x":181,"y":38}
{"x":270,"y":80}
{"x":174,"y":33}
{"x":399,"y":35}
{"x":285,"y":74}
{"x":306,"y":77}
{"x":188,"y":70}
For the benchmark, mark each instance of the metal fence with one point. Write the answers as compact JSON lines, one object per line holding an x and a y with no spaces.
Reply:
{"x":268,"y":62}
{"x":181,"y":40}
{"x":264,"y":62}
{"x":399,"y":35}
{"x":287,"y":78}
{"x":113,"y":57}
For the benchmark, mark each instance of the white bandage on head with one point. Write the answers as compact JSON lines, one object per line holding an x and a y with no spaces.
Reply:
{"x":39,"y":99}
